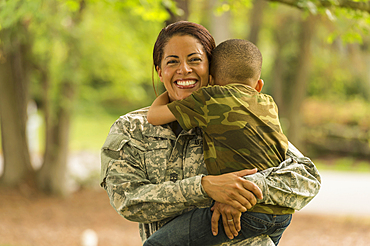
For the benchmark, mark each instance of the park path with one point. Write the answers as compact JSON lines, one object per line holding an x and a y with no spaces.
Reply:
{"x":342,"y":193}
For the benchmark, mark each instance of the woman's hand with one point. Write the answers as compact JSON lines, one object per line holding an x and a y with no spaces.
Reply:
{"x":232,"y":189}
{"x":230,"y":219}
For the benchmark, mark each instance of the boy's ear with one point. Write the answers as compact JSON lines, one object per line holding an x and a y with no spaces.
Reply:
{"x":211,"y":80}
{"x":159,"y":71}
{"x":259,"y":85}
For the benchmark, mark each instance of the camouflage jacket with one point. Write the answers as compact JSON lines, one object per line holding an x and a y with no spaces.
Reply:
{"x":151,"y":175}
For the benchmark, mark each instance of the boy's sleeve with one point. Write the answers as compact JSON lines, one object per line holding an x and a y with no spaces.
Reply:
{"x":192,"y":111}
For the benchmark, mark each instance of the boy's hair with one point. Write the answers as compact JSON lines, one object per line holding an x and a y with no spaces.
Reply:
{"x":236,"y":61}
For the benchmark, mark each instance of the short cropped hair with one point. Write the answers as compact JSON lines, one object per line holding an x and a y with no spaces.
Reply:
{"x":236,"y":60}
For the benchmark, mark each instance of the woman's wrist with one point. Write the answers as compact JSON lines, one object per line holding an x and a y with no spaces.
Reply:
{"x":201,"y":186}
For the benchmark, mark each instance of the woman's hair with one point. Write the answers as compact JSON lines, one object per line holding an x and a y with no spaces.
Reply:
{"x":182,"y":28}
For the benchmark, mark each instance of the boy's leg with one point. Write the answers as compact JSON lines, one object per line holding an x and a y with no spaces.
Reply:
{"x":191,"y":228}
{"x":281,"y":223}
{"x":254,"y":224}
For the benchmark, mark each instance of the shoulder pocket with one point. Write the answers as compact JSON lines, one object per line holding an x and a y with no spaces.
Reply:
{"x":115,"y":142}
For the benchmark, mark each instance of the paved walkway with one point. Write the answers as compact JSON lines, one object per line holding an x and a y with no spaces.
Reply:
{"x":342,"y":194}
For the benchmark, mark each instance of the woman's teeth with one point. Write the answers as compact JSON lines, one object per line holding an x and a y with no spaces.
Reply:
{"x":186,"y":82}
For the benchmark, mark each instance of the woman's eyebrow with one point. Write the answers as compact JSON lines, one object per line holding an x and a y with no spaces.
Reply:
{"x":195,"y":53}
{"x":171,"y":56}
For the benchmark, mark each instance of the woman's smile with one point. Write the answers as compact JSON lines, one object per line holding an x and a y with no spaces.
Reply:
{"x":185,"y":84}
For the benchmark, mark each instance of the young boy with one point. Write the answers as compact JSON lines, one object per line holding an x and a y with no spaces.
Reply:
{"x":240,"y":126}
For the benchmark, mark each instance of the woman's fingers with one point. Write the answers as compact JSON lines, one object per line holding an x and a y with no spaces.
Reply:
{"x":237,"y":223}
{"x":227,"y":225}
{"x":230,"y":219}
{"x":252,"y":187}
{"x":245,"y":172}
{"x":232,"y":189}
{"x":214,"y":221}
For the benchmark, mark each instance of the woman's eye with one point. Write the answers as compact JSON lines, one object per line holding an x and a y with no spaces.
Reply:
{"x":171,"y":62}
{"x":195,"y":59}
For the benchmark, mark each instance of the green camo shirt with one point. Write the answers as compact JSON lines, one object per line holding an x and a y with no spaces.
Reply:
{"x":151,"y":175}
{"x":241,"y":130}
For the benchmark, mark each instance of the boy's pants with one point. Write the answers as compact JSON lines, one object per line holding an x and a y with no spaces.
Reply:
{"x":194,"y":228}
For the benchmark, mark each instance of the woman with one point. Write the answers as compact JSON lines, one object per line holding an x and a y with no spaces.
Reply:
{"x":154,"y":173}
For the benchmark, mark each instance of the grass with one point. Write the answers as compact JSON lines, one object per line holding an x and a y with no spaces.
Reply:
{"x":88,"y":132}
{"x":343,"y":164}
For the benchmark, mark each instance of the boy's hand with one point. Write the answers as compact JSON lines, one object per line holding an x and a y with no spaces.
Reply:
{"x":230,"y":219}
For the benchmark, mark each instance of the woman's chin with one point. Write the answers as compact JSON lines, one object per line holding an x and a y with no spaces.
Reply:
{"x":183,"y":96}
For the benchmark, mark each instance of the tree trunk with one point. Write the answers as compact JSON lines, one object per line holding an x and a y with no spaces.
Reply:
{"x":278,"y":76}
{"x":51,"y":177}
{"x":299,"y":85}
{"x":219,"y":25}
{"x":13,"y":109}
{"x":184,"y":6}
{"x":256,"y":20}
{"x":279,"y":83}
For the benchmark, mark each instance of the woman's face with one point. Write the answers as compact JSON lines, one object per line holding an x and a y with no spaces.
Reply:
{"x":184,"y":67}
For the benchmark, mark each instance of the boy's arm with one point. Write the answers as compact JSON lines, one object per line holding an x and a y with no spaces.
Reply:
{"x":159,"y":113}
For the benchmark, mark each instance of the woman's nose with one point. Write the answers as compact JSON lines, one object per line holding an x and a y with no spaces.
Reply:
{"x":184,"y":68}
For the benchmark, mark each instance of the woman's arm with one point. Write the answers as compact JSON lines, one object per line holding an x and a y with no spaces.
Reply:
{"x":293,"y":184}
{"x":159,"y":113}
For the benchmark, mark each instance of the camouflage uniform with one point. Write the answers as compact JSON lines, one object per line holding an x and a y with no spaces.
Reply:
{"x":151,"y":175}
{"x":241,"y":130}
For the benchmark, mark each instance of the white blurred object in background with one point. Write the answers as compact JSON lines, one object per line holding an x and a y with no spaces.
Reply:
{"x":89,"y":238}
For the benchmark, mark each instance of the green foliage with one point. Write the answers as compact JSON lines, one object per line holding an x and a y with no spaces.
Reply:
{"x":89,"y":131}
{"x":344,"y":164}
{"x":339,"y":127}
{"x":104,"y":49}
{"x":117,"y":55}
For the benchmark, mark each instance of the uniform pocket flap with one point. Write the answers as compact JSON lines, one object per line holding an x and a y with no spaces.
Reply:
{"x":115,"y":142}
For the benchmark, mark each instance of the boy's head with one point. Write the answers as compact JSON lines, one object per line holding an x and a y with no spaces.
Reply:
{"x":236,"y":61}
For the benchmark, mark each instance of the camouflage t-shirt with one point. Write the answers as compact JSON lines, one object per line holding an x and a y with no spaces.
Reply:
{"x":240,"y":126}
{"x":241,"y":130}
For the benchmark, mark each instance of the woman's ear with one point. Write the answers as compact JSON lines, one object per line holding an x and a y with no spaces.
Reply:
{"x":211,"y":80}
{"x":159,"y":71}
{"x":259,"y":85}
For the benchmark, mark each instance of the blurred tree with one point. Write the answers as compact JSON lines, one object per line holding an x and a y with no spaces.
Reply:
{"x":44,"y":41}
{"x":57,"y":108}
{"x":178,"y":10}
{"x":14,"y":83}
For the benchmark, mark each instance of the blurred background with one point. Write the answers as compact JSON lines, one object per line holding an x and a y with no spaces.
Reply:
{"x":70,"y":68}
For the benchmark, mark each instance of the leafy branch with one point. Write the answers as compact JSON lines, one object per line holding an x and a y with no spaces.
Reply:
{"x":354,"y":5}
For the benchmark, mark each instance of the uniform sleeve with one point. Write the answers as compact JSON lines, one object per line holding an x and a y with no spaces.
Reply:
{"x":132,"y":194}
{"x":192,"y":111}
{"x":294,"y":183}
